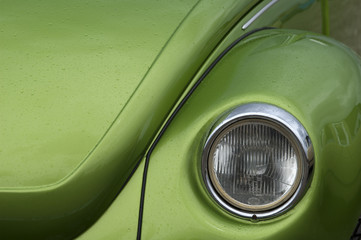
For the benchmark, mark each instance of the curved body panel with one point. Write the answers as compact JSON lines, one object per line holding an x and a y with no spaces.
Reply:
{"x":314,"y":78}
{"x":66,"y":74}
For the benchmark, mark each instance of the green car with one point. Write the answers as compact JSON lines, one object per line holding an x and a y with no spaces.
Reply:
{"x":189,"y":119}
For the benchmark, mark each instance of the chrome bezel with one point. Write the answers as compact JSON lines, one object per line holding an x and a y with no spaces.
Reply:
{"x":274,"y":116}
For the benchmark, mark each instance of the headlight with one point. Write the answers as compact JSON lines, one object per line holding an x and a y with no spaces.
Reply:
{"x":257,"y":161}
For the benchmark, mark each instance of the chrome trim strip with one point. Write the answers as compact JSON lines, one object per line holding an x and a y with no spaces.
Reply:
{"x":277,"y":116}
{"x":265,"y":8}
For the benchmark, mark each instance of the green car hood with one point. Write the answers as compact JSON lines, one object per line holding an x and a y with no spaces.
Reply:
{"x":84,"y":88}
{"x":66,"y":73}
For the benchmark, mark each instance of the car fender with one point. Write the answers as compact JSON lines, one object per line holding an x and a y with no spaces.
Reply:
{"x":316,"y":79}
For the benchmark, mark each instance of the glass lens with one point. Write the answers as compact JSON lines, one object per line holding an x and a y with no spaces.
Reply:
{"x":253,"y":165}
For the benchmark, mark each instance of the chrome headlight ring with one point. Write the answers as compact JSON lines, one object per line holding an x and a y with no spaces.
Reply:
{"x":244,"y":144}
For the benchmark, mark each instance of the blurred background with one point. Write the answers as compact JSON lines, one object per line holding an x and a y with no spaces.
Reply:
{"x":344,"y":20}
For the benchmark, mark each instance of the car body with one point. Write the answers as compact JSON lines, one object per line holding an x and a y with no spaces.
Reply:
{"x":106,"y":107}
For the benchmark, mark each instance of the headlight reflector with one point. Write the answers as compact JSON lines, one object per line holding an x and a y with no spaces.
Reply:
{"x":257,"y":160}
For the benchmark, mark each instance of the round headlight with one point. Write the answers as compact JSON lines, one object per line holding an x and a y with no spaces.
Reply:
{"x":256,"y":162}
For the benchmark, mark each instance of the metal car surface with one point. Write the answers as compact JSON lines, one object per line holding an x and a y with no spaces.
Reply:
{"x":106,"y":106}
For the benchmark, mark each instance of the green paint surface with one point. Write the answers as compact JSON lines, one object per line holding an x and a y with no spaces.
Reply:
{"x":67,"y":69}
{"x":120,"y":220}
{"x":85,"y":87}
{"x":316,"y":79}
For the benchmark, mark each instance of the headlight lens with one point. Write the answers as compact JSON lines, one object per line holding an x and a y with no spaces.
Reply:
{"x":254,"y":166}
{"x":257,"y":160}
